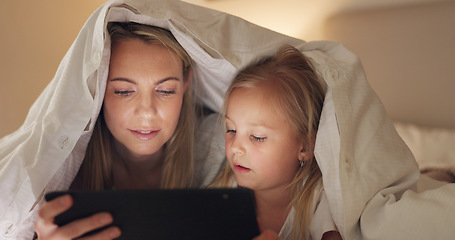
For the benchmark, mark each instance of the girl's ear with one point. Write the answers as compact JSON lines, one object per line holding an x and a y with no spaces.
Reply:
{"x":303,"y":154}
{"x":187,"y":81}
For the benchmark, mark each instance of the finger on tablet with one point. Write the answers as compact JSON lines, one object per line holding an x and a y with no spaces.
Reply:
{"x":109,"y":233}
{"x":82,"y":226}
{"x":51,"y":209}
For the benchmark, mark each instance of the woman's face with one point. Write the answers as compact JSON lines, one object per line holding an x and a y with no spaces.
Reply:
{"x":144,"y":95}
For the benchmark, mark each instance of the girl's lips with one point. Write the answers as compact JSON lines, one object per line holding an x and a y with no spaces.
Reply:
{"x":241,"y":169}
{"x":144,"y":135}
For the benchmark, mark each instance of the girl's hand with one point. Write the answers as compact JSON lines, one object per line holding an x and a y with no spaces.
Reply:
{"x":47,"y":229}
{"x":267,"y":235}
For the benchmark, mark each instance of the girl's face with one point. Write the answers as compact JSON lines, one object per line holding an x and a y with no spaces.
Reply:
{"x":144,"y":95}
{"x":260,"y":145}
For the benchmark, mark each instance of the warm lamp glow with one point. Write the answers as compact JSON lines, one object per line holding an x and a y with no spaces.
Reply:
{"x":302,"y":19}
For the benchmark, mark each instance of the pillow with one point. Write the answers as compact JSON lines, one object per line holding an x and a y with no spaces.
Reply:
{"x":433,"y":149}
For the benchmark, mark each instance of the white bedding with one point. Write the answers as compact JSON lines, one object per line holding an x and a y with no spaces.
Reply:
{"x":433,"y":149}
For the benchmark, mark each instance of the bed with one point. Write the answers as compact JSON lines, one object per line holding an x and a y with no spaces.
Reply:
{"x":407,"y":52}
{"x":433,"y":149}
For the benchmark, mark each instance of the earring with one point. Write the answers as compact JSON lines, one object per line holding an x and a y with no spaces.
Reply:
{"x":301,"y":163}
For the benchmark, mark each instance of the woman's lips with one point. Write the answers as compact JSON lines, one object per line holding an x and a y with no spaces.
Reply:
{"x":144,"y":135}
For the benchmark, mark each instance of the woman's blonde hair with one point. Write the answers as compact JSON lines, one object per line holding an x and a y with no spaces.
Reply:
{"x":178,"y":168}
{"x":298,"y":95}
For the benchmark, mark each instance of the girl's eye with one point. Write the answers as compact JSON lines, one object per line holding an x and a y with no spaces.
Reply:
{"x":123,"y":92}
{"x":258,"y":139}
{"x":231,"y":131}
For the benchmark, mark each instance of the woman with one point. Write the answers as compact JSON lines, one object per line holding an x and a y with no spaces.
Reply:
{"x":149,"y":110}
{"x":143,"y":137}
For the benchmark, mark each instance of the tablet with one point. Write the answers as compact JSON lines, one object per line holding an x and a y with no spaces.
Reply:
{"x":169,"y":214}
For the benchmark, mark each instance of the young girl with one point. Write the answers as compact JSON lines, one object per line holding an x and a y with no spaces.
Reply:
{"x":272,"y":111}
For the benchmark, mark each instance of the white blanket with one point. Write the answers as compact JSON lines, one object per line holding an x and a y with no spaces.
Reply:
{"x":367,"y":168}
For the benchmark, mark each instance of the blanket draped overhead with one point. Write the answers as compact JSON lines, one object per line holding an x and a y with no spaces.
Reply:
{"x":370,"y":177}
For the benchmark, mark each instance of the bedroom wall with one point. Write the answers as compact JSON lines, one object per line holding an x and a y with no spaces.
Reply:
{"x":36,"y":37}
{"x":408,"y":55}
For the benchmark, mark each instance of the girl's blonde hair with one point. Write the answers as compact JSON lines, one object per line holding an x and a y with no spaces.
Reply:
{"x":298,"y":95}
{"x":178,"y":168}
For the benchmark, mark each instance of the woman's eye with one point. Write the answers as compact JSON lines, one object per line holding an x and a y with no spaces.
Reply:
{"x":258,"y":139}
{"x":123,"y":92}
{"x":166,"y":92}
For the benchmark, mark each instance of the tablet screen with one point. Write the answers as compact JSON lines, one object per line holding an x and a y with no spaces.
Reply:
{"x":170,"y":214}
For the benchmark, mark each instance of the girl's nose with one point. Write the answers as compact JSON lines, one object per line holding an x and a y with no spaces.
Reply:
{"x":236,"y":146}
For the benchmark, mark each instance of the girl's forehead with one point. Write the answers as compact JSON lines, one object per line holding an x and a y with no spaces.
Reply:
{"x":264,"y":94}
{"x":255,"y":88}
{"x":264,"y":91}
{"x":251,"y":109}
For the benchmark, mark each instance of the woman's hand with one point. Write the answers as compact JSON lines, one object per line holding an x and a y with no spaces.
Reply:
{"x":267,"y":235}
{"x":47,"y":229}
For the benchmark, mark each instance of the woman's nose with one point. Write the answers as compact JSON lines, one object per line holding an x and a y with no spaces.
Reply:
{"x":146,"y":107}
